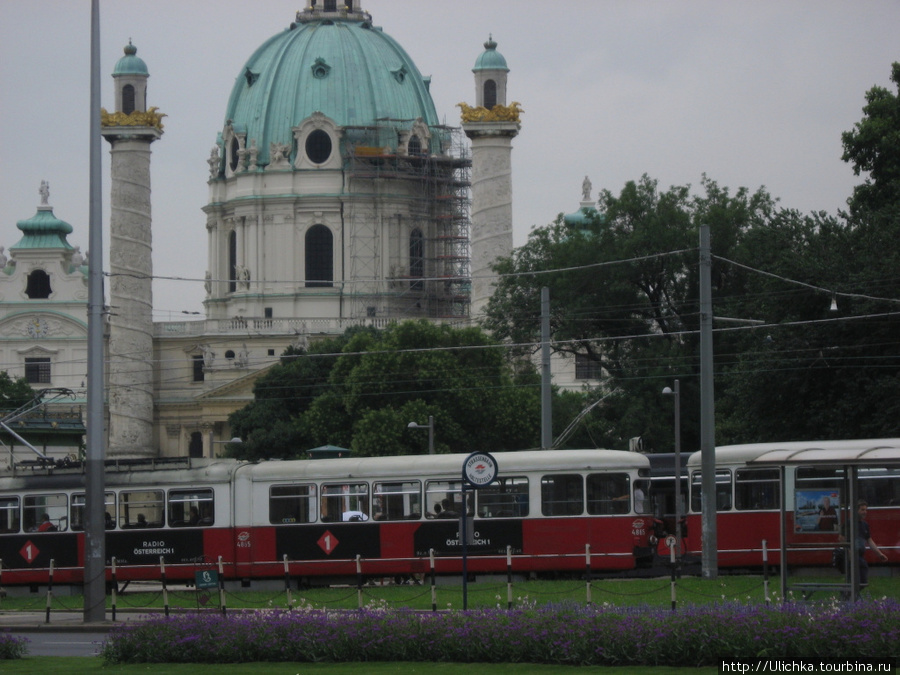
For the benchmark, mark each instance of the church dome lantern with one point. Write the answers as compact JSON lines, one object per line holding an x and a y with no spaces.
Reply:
{"x":490,"y":76}
{"x":130,"y":78}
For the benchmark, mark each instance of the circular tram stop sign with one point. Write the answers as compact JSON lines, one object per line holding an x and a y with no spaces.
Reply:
{"x":480,"y":469}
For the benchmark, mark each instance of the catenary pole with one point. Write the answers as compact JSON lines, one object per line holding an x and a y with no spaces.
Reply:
{"x":546,"y":405}
{"x":95,"y":524}
{"x":709,"y":557}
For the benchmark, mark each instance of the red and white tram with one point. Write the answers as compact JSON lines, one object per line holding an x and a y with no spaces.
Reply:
{"x":748,"y":499}
{"x":319,"y":515}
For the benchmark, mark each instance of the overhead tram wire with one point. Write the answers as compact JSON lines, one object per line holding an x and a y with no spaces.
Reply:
{"x":535,"y":344}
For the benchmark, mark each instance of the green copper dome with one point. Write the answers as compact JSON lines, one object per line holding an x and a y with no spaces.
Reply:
{"x":490,"y":58}
{"x":43,"y":230}
{"x":130,"y":64}
{"x":341,"y":66}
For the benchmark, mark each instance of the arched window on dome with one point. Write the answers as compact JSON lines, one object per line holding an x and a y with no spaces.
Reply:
{"x":416,"y":259}
{"x":414,"y":146}
{"x":490,"y":94}
{"x":38,"y":285}
{"x":319,"y":257}
{"x":330,"y":5}
{"x":232,"y":261}
{"x":128,"y":99}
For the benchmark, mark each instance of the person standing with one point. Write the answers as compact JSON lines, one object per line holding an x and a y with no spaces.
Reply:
{"x":864,"y":539}
{"x":639,"y":498}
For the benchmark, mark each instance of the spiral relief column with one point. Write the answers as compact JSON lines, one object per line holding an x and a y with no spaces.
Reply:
{"x":130,"y":131}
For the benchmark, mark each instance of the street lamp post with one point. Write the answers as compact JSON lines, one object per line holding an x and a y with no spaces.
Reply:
{"x":430,"y":427}
{"x":212,"y":442}
{"x":676,"y":392}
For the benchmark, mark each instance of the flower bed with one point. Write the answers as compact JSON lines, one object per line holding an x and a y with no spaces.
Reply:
{"x":12,"y":647}
{"x":570,"y":635}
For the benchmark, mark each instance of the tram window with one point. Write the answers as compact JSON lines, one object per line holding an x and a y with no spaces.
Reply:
{"x":880,"y":486}
{"x":756,"y":489}
{"x":292,"y":504}
{"x":397,"y":501}
{"x":45,"y":513}
{"x":9,"y":515}
{"x":141,"y":508}
{"x":723,"y":490}
{"x":825,"y":478}
{"x":345,"y":502}
{"x":191,"y":508}
{"x":562,"y":495}
{"x":504,"y":498}
{"x":78,"y":514}
{"x":608,"y":493}
{"x":443,"y":498}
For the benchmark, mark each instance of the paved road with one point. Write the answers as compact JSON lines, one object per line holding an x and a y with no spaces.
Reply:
{"x":68,"y":643}
{"x":66,"y":635}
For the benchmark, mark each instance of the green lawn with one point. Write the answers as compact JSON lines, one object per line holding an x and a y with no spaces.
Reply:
{"x":689,"y":590}
{"x":89,"y":666}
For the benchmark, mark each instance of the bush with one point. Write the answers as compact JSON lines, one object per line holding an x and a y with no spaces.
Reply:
{"x":567,"y":635}
{"x":12,"y":647}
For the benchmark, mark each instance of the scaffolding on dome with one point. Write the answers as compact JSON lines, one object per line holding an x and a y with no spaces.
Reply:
{"x":408,"y":219}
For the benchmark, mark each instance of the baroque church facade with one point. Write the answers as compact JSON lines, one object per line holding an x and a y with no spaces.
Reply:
{"x":336,"y":198}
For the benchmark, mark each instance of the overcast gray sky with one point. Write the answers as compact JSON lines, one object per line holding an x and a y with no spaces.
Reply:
{"x":751,"y":93}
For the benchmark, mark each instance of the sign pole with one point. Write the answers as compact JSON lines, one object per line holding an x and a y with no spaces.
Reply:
{"x":465,"y":549}
{"x":479,"y":469}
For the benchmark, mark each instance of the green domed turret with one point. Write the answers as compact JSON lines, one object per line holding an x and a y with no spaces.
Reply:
{"x":490,"y":58}
{"x":130,"y":64}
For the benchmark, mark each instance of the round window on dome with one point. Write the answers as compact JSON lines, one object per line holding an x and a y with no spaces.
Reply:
{"x":318,"y":146}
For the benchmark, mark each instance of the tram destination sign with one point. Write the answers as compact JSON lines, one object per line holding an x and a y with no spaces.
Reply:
{"x":479,"y":469}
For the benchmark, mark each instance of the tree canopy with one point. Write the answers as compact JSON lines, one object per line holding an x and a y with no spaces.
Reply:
{"x":362,"y":390}
{"x":873,"y":147}
{"x":14,"y":392}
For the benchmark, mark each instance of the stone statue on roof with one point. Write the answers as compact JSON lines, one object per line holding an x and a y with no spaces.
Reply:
{"x":44,"y":192}
{"x":213,"y":162}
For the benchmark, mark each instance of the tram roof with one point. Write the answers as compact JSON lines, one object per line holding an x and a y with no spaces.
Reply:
{"x":879,"y":451}
{"x":449,"y":466}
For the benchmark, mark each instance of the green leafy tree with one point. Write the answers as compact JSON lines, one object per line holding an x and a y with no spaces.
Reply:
{"x":14,"y":392}
{"x":623,"y":293}
{"x":873,"y":147}
{"x":830,"y":374}
{"x":362,"y":390}
{"x":269,"y":425}
{"x":414,"y":369}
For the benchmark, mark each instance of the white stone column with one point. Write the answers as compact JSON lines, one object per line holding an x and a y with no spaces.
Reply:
{"x":491,"y":234}
{"x":130,"y":350}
